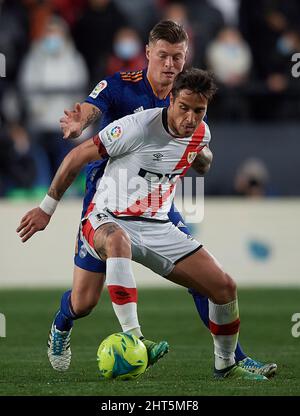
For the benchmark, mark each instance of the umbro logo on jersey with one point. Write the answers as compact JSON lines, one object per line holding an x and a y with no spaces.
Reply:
{"x":137,"y":110}
{"x":158,"y":156}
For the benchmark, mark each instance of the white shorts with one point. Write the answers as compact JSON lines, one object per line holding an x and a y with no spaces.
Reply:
{"x":156,"y":245}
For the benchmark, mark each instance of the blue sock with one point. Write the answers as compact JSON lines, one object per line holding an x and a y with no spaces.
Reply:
{"x":65,"y":316}
{"x":201,"y":303}
{"x":239,"y":353}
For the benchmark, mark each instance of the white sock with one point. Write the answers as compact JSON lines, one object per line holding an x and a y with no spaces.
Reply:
{"x":123,"y":293}
{"x":224,"y":325}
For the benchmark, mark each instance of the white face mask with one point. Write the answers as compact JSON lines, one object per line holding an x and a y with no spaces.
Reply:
{"x":285,"y":45}
{"x":53,"y":44}
{"x":127,"y":49}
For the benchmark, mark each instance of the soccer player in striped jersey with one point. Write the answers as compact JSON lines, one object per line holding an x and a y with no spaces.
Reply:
{"x":116,"y":96}
{"x":121,"y":225}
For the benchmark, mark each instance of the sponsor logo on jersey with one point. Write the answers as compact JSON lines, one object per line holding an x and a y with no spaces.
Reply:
{"x":191,"y":157}
{"x":99,"y":87}
{"x":158,"y":156}
{"x":116,"y":132}
{"x":137,"y":110}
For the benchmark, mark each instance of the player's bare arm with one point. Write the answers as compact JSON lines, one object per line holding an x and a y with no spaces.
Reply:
{"x":38,"y":218}
{"x":203,"y":161}
{"x":75,"y":121}
{"x":71,"y":166}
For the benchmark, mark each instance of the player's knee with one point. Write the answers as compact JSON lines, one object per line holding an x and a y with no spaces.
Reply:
{"x":118,"y":244}
{"x":227,"y":289}
{"x":230,"y":286}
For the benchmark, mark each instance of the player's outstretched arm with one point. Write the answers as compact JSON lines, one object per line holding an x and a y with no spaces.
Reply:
{"x":203,"y":161}
{"x":38,"y":218}
{"x":75,"y":121}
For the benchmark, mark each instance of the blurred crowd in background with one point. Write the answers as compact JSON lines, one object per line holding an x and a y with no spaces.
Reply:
{"x":57,"y":50}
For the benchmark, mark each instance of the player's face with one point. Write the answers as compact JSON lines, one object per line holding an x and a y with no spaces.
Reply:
{"x":166,"y":60}
{"x":186,"y":112}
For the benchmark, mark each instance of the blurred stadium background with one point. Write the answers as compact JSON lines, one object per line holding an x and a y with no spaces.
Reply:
{"x":251,"y":220}
{"x":251,"y":217}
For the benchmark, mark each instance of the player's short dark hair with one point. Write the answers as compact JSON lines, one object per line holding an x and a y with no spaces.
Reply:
{"x":195,"y":80}
{"x":168,"y":30}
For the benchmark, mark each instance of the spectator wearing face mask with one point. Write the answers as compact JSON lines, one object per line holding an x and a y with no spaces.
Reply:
{"x":52,"y":77}
{"x":229,"y":57}
{"x":128,"y":53}
{"x":279,"y":79}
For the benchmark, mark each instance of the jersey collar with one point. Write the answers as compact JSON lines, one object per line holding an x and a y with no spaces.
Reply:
{"x":165,"y":122}
{"x":164,"y":114}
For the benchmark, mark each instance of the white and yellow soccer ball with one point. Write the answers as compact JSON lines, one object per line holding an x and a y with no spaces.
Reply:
{"x":122,"y":356}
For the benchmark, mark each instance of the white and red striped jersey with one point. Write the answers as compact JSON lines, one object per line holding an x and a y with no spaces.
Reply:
{"x":145,"y":164}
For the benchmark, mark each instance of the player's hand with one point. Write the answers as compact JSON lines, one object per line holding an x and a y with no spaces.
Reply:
{"x":70,"y":123}
{"x":33,"y":221}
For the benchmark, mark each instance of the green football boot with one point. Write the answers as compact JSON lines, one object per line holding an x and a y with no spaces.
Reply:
{"x":256,"y":367}
{"x":155,"y":350}
{"x":238,"y":373}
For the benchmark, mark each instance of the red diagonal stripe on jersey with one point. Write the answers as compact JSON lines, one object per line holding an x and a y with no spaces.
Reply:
{"x":140,"y":206}
{"x":162,"y":199}
{"x":153,"y":200}
{"x":226,"y":329}
{"x":121,"y":295}
{"x":193,"y":146}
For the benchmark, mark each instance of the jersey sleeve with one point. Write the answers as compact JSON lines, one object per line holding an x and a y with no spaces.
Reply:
{"x":122,"y":136}
{"x":105,"y":92}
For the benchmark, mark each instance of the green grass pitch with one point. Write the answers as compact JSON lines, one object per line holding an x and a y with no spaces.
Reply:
{"x":164,"y":314}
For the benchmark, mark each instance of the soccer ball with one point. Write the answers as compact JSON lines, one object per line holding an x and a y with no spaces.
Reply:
{"x":122,"y":356}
